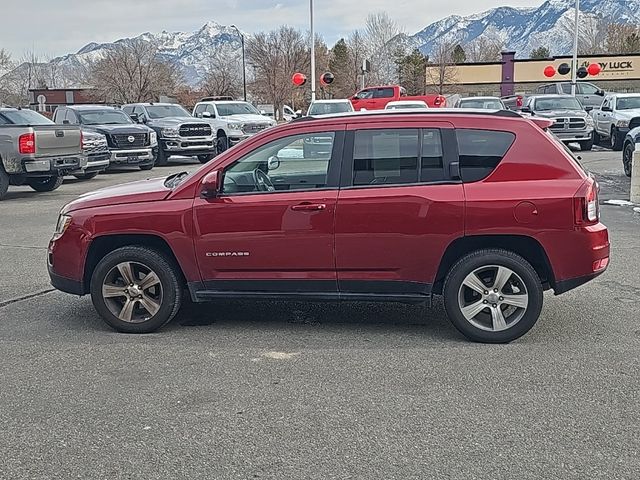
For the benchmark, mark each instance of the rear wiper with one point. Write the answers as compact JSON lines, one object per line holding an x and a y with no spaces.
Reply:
{"x":174,"y":180}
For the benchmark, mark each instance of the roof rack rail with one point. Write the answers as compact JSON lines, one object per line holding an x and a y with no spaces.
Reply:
{"x":433,"y":111}
{"x":216,"y":99}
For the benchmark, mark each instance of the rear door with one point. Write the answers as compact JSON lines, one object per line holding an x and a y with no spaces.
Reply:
{"x":382,"y":96}
{"x":398,"y":207}
{"x":588,"y":95}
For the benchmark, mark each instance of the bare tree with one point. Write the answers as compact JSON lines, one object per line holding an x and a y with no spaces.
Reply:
{"x":5,"y":61}
{"x":484,"y":48}
{"x":441,"y":71}
{"x":623,"y":38}
{"x":275,"y":57}
{"x":224,"y":75}
{"x":592,"y":33}
{"x":133,"y":72}
{"x":357,"y":55}
{"x":381,"y":37}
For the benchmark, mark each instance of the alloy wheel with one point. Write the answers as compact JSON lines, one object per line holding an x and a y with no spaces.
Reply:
{"x":493,"y":298}
{"x":132,"y":292}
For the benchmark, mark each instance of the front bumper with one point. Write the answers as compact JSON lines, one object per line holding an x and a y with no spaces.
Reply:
{"x":138,"y":156}
{"x":575,"y":136}
{"x":64,"y":284}
{"x":236,"y":139}
{"x":95,"y":163}
{"x":189,"y":146}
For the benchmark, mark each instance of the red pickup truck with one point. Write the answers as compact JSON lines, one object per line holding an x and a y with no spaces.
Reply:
{"x":376,"y":98}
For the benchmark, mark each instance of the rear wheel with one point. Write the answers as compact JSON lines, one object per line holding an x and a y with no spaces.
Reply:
{"x":46,"y":184}
{"x":4,"y":182}
{"x":136,"y":290}
{"x":493,"y":296}
{"x":627,"y":158}
{"x":86,"y":176}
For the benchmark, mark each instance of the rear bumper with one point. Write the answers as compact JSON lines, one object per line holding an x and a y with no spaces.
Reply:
{"x":564,"y":286}
{"x":54,"y":166}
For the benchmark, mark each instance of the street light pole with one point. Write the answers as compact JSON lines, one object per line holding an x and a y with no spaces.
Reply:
{"x":244,"y":63}
{"x":313,"y":55}
{"x":574,"y":68}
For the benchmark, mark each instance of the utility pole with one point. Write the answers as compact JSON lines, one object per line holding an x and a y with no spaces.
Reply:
{"x":574,"y":68}
{"x":244,"y":63}
{"x":313,"y":55}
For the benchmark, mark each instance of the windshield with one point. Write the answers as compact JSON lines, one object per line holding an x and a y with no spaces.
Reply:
{"x":627,"y":103}
{"x":321,"y":108}
{"x":25,"y":117}
{"x":164,"y":111}
{"x":485,"y":104}
{"x":564,"y":103}
{"x":105,"y":117}
{"x":239,"y":108}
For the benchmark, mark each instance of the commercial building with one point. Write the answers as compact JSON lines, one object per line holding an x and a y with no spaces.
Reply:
{"x":620,"y":73}
{"x":53,"y":98}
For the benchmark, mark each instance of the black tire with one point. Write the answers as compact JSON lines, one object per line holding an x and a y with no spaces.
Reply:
{"x":586,"y":145}
{"x":162,"y":159}
{"x":45,"y":184}
{"x":4,"y":182}
{"x":487,"y":258}
{"x":205,"y":158}
{"x":147,"y":167}
{"x":222,"y":143}
{"x":627,"y":158}
{"x":86,"y":176}
{"x":596,"y":138}
{"x":616,"y":140}
{"x":166,"y":272}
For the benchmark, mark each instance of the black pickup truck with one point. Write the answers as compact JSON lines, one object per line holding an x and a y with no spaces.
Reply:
{"x":129,"y":144}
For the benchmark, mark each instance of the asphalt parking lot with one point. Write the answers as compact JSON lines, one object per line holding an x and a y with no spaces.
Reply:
{"x":235,"y":390}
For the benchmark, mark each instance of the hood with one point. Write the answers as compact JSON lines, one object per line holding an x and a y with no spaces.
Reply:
{"x":175,"y":121}
{"x":562,"y":113}
{"x":628,"y":114}
{"x":150,"y":190}
{"x":117,"y":129}
{"x":92,"y":135}
{"x":248,"y":118}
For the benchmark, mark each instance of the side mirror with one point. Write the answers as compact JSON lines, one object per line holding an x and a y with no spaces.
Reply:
{"x":263,"y":112}
{"x":66,"y":122}
{"x":210,"y":186}
{"x":273,"y":163}
{"x":588,"y":108}
{"x":208,"y":115}
{"x":600,"y":93}
{"x":135,"y":117}
{"x":606,"y":109}
{"x":526,"y":110}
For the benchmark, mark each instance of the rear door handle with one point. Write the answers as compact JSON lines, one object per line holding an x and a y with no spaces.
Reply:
{"x":309,"y":207}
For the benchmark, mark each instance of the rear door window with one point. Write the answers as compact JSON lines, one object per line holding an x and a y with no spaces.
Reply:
{"x":481,"y":151}
{"x":383,"y":93}
{"x":386,"y":157}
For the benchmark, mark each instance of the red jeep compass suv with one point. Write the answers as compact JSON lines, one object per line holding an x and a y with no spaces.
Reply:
{"x":486,"y":209}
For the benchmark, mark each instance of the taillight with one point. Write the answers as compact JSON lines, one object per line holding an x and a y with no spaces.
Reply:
{"x":519,"y":101}
{"x":439,"y":101}
{"x":586,"y":205}
{"x":27,"y":143}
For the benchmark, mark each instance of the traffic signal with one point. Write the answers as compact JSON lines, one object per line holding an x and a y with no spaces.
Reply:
{"x":327,"y":78}
{"x":299,"y":79}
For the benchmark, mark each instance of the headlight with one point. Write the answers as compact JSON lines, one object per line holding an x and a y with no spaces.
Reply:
{"x":167,"y":132}
{"x":590,"y":122}
{"x":273,"y":123}
{"x":622,"y":123}
{"x":236,"y":126}
{"x":153,"y":138}
{"x":63,"y":223}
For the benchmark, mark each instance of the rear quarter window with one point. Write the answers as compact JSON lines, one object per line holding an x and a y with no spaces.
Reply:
{"x":480,"y":152}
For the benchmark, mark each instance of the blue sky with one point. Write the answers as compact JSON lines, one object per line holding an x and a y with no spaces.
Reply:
{"x":56,"y":27}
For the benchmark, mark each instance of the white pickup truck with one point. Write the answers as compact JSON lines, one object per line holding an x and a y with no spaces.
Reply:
{"x":619,"y":113}
{"x":232,"y":121}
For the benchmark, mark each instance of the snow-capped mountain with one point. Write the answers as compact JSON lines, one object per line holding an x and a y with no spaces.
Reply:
{"x":523,"y":29}
{"x":191,"y":51}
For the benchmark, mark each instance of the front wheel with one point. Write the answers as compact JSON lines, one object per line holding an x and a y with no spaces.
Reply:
{"x":86,"y":176}
{"x":222,"y":143}
{"x":136,"y":289}
{"x":162,"y":159}
{"x":146,"y":167}
{"x":4,"y":182}
{"x":627,"y":159}
{"x":205,"y":158}
{"x":586,"y":145}
{"x":596,"y":138}
{"x":616,"y":140}
{"x":493,"y":296}
{"x":46,"y":184}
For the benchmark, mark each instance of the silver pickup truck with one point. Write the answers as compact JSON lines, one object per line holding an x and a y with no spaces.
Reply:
{"x":36,"y":152}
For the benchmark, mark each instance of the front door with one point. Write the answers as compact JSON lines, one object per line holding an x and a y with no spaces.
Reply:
{"x":271,"y":229}
{"x":397,"y":210}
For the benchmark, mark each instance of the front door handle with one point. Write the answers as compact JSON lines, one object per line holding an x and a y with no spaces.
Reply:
{"x":309,"y":207}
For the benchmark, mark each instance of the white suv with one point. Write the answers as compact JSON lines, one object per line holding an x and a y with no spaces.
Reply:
{"x":232,"y":121}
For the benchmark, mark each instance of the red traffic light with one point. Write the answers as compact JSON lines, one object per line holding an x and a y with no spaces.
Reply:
{"x":594,"y":69}
{"x":549,"y":71}
{"x":327,"y":78}
{"x":299,"y":79}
